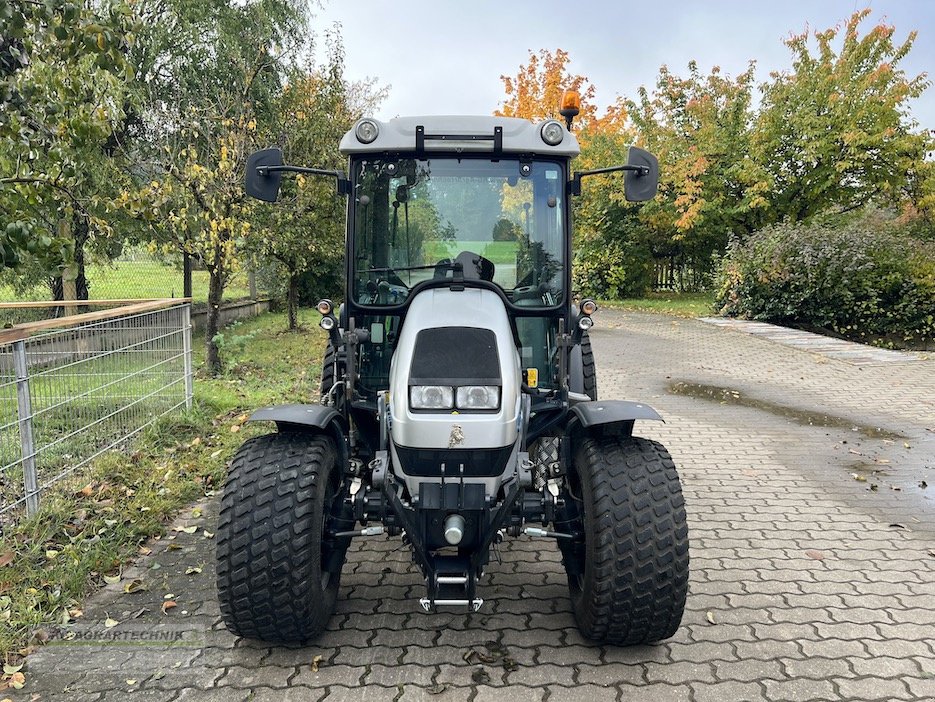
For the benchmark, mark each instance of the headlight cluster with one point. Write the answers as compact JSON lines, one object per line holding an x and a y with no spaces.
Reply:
{"x":445,"y":397}
{"x":587,"y":308}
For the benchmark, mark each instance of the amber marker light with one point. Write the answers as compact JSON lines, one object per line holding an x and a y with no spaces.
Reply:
{"x":570,"y":106}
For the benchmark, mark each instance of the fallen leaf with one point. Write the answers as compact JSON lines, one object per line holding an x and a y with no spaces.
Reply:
{"x":217,"y":453}
{"x":134,"y":586}
{"x":193,"y":570}
{"x":168,"y":596}
{"x":710,"y":617}
{"x":167,"y":605}
{"x":207,"y":534}
{"x":17,"y":680}
{"x":235,"y":428}
{"x":86,"y":491}
{"x":196,"y":513}
{"x":817,"y":555}
{"x":174,"y":547}
{"x":144,"y":551}
{"x":9,"y":669}
{"x":110,"y":623}
{"x":187,"y":530}
{"x":6,"y":558}
{"x":859,"y":478}
{"x":131,"y":682}
{"x":139,"y":613}
{"x":195,"y":441}
{"x":315,"y":663}
{"x":51,"y":554}
{"x":480,"y":676}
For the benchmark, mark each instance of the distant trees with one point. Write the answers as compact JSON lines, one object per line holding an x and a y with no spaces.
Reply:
{"x":829,"y":137}
{"x":133,"y":120}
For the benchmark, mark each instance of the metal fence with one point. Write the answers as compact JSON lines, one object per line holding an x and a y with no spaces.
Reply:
{"x":75,"y":387}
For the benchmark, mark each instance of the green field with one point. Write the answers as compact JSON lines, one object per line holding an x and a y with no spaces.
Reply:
{"x":137,"y":280}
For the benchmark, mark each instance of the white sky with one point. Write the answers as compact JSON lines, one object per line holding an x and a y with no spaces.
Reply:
{"x":446,"y":56}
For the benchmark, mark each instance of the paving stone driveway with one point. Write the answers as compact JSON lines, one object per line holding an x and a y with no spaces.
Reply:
{"x":808,"y":583}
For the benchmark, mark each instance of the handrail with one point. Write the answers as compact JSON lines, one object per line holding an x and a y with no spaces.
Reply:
{"x":23,"y":331}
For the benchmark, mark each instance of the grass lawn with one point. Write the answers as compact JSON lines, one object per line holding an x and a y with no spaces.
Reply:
{"x":673,"y":303}
{"x":90,"y":527}
{"x":138,"y":279}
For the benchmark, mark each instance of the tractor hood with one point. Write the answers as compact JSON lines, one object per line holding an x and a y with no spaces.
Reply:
{"x":454,"y":340}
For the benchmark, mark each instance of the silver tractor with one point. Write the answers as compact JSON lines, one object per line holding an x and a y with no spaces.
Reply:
{"x":459,"y":402}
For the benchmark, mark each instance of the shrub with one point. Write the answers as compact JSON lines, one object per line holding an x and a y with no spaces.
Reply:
{"x":865,"y":280}
{"x":613,"y":270}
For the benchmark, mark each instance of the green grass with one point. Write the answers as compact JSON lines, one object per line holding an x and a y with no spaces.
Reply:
{"x":138,"y":279}
{"x":93,"y":525}
{"x":499,"y":252}
{"x":672,"y":303}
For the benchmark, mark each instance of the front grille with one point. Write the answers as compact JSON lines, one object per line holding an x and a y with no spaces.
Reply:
{"x":478,"y":463}
{"x":455,"y":356}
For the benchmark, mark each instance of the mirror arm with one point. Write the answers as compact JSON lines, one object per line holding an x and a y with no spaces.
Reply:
{"x":574,"y":185}
{"x":344,"y":185}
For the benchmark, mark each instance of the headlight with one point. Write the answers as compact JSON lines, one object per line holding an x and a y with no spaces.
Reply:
{"x":585,"y":323}
{"x":367,"y":130}
{"x":431,"y":397}
{"x":552,"y":133}
{"x":476,"y":397}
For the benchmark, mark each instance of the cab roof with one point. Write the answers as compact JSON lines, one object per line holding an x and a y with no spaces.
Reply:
{"x":449,"y":133}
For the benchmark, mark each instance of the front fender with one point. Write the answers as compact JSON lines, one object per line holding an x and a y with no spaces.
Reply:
{"x":607,"y":412}
{"x":310,"y":418}
{"x":317,"y":416}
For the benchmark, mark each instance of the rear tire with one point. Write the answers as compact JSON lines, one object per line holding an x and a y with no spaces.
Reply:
{"x":329,"y":372}
{"x":270,"y":550}
{"x":634,"y":579}
{"x":588,"y":367}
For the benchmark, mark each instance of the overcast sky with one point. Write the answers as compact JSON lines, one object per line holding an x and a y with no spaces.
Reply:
{"x":446,"y":56}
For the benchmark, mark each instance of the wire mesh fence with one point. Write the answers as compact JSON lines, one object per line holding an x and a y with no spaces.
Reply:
{"x":68,"y":395}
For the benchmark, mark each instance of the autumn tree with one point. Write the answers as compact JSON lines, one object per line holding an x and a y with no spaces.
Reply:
{"x":834,"y":134}
{"x":535,"y":92}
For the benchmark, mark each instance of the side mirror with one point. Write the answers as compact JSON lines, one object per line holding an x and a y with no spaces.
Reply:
{"x":642,"y":182}
{"x":261,"y":181}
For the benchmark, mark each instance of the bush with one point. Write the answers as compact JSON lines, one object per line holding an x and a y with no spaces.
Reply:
{"x":865,"y":280}
{"x":612,"y":270}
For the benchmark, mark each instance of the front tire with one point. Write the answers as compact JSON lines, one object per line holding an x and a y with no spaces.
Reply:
{"x":633,"y":578}
{"x":270,"y":546}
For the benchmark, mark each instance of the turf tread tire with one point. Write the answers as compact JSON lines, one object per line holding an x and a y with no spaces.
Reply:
{"x":636,"y":559}
{"x":269,"y":578}
{"x":588,"y":367}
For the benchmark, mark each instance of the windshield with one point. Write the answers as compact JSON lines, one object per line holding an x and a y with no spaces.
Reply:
{"x":446,"y":218}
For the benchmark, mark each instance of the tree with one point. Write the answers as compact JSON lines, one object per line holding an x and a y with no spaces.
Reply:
{"x":63,"y":77}
{"x":305,"y":231}
{"x":834,"y":133}
{"x":207,"y":110}
{"x":535,"y":92}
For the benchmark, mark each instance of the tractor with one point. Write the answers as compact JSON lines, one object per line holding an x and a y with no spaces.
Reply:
{"x":459,"y":397}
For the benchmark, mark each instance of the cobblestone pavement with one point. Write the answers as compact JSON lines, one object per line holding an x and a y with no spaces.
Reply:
{"x":813,"y":562}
